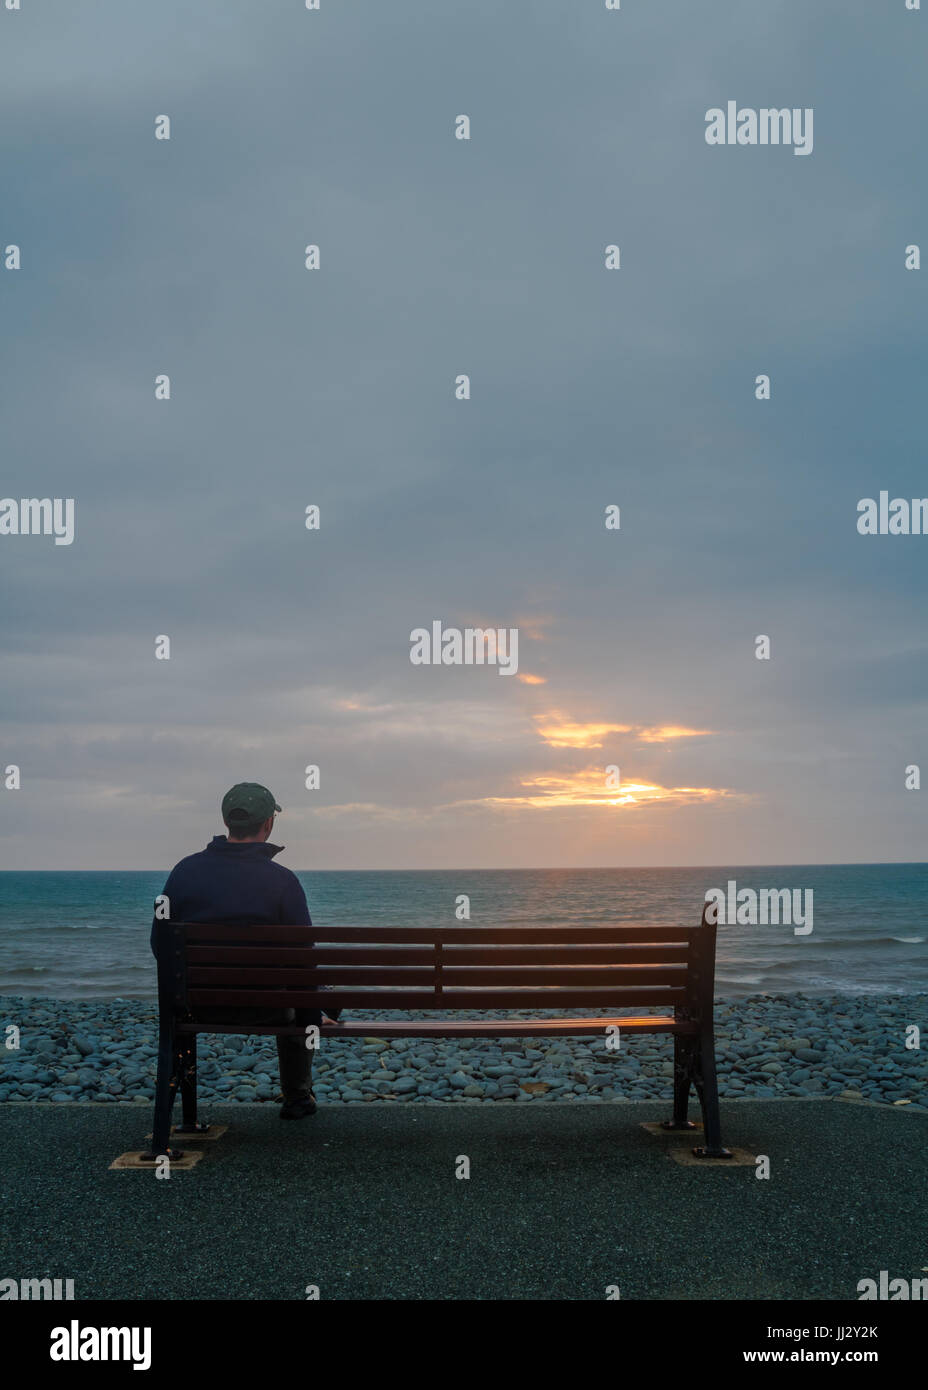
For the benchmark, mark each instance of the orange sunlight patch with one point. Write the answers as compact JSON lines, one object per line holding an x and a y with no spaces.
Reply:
{"x":559,"y":732}
{"x":667,"y":731}
{"x":588,"y":788}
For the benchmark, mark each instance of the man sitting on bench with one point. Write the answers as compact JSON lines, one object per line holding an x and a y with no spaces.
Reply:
{"x":235,"y":881}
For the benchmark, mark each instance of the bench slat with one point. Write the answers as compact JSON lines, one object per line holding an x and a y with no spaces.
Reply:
{"x":465,"y":936}
{"x":366,"y":954}
{"x":303,"y":955}
{"x":291,"y":977}
{"x":617,"y":997}
{"x":236,"y":931}
{"x":515,"y":936}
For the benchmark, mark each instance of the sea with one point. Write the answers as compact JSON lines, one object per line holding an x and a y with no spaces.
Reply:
{"x":84,"y":935}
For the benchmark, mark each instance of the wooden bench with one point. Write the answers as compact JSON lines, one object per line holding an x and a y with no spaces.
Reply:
{"x":458,"y":970}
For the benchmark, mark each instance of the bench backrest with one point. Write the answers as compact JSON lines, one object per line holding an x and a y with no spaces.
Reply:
{"x":462,"y":967}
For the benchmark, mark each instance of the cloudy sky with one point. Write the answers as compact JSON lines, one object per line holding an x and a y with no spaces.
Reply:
{"x":589,"y":387}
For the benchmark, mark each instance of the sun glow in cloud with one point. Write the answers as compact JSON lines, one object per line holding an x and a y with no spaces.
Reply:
{"x":588,"y":788}
{"x":667,"y":731}
{"x":558,"y":731}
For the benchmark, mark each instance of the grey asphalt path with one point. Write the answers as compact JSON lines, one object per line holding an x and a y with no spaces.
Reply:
{"x":562,"y":1201}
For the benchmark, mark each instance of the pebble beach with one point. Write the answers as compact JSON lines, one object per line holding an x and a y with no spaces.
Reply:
{"x":767,"y":1046}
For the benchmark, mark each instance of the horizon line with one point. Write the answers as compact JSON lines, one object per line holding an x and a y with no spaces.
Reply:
{"x":548,"y":868}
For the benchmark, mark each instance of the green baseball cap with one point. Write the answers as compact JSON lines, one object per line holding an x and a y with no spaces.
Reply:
{"x":248,"y":801}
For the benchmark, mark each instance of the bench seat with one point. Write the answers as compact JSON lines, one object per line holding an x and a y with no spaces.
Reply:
{"x":464,"y":1028}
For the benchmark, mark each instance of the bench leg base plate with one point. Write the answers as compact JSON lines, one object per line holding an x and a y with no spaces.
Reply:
{"x":146,"y":1161}
{"x":700,"y":1157}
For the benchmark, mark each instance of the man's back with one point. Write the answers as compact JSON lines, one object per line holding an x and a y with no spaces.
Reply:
{"x":235,"y":882}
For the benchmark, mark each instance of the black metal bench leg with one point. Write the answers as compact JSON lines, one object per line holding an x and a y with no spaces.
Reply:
{"x":165,"y":1090}
{"x":187,"y":1071}
{"x":684,"y":1067}
{"x":707,"y":1087}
